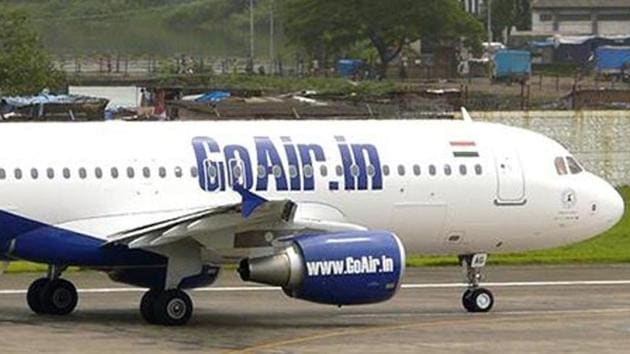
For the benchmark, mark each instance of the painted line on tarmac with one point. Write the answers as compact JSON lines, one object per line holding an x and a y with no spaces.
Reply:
{"x":404,"y":286}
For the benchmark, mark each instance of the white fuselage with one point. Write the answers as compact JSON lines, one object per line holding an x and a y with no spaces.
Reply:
{"x":447,"y":187}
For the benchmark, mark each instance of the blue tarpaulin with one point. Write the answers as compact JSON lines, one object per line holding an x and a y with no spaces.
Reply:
{"x":612,"y":59}
{"x":213,"y":97}
{"x":349,"y":67}
{"x":512,"y":63}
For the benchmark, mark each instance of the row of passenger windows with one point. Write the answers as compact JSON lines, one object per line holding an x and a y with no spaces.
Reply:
{"x":276,"y":171}
{"x":98,"y":172}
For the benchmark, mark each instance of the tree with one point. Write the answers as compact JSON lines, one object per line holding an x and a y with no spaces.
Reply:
{"x":510,"y":13}
{"x":25,"y":67}
{"x":328,"y":27}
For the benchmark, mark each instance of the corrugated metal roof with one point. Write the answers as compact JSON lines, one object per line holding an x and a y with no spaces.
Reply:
{"x":542,"y":4}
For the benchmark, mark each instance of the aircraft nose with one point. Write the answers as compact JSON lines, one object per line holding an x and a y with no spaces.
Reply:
{"x":614,"y":206}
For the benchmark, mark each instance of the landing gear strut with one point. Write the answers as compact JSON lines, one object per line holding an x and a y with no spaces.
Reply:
{"x":166,"y":307}
{"x":475,"y":298}
{"x":52,"y":295}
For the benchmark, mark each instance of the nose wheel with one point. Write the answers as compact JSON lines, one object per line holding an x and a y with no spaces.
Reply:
{"x":475,"y":298}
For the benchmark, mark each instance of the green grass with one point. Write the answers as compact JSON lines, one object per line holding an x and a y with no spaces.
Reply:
{"x":612,"y":246}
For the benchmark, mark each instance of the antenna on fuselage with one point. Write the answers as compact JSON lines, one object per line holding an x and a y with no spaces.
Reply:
{"x":465,"y":115}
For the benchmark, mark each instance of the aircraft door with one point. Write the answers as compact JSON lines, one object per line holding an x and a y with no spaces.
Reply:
{"x":510,"y":178}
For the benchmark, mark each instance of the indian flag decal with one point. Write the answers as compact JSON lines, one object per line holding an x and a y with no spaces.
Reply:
{"x":464,"y":148}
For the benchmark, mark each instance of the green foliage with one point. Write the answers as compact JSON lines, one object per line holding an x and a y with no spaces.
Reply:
{"x":329,"y":28}
{"x":613,"y":246}
{"x":25,"y":67}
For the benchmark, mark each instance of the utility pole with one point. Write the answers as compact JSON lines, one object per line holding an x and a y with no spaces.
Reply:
{"x":489,"y":22}
{"x":251,"y":31}
{"x":271,"y":39}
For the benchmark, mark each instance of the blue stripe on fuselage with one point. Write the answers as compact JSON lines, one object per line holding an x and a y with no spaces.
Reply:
{"x":42,"y":243}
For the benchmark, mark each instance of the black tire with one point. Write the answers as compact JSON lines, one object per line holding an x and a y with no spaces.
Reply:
{"x":146,"y":306}
{"x":33,"y":296}
{"x":59,"y":297}
{"x":478,"y":300}
{"x":172,"y":308}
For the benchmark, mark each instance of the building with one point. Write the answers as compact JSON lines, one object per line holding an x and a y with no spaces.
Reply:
{"x":581,"y":17}
{"x":475,"y":7}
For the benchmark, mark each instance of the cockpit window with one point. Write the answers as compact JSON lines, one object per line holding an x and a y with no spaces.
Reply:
{"x":561,"y":167}
{"x":574,"y":166}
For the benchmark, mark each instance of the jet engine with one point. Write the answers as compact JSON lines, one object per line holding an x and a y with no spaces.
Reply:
{"x":346,"y":268}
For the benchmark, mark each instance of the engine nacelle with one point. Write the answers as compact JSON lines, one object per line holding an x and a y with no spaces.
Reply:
{"x":346,"y":268}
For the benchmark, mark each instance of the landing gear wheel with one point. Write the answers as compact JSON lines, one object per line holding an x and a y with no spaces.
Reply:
{"x":146,"y":305}
{"x":172,"y":308}
{"x":478,"y":300}
{"x":58,"y":297}
{"x":33,"y":296}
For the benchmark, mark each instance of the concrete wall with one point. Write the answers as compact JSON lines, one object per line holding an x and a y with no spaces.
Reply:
{"x":599,"y":139}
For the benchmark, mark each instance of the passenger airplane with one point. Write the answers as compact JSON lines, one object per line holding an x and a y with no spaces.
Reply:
{"x":326,"y":210}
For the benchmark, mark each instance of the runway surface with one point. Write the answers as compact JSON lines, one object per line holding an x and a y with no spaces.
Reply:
{"x":538,"y":309}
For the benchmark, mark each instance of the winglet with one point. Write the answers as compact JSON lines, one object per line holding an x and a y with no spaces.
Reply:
{"x":250,"y":202}
{"x":465,"y":115}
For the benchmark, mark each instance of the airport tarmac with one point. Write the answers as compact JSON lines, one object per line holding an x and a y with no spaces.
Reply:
{"x":578,"y":308}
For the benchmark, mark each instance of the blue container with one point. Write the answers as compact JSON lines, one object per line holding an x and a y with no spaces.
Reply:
{"x":509,"y":63}
{"x":610,"y":59}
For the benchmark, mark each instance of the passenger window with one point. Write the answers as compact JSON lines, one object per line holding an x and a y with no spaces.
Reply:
{"x":401,"y":170}
{"x":82,"y":173}
{"x":574,"y":167}
{"x":354,"y":170}
{"x":261,"y":171}
{"x":98,"y":172}
{"x":130,"y":172}
{"x":66,"y":173}
{"x":34,"y":173}
{"x":292,"y":171}
{"x":276,"y":170}
{"x":212,"y":171}
{"x":371,"y":171}
{"x":463,"y":170}
{"x":386,"y":170}
{"x":50,"y":173}
{"x":178,"y":171}
{"x":3,"y":174}
{"x":447,"y":170}
{"x":162,"y":172}
{"x":146,"y":172}
{"x":193,"y":172}
{"x":308,"y":171}
{"x":478,"y":170}
{"x":323,"y":170}
{"x":416,"y":170}
{"x":561,"y":168}
{"x":432,"y":170}
{"x":339,"y":171}
{"x":114,"y":172}
{"x":17,"y":173}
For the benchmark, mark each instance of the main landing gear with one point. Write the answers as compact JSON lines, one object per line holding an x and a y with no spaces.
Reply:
{"x":52,"y":295}
{"x":475,"y":298}
{"x":166,"y":307}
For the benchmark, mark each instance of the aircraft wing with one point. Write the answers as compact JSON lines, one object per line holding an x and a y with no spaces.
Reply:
{"x":248,"y":221}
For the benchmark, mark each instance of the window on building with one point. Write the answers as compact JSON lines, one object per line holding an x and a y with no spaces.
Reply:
{"x":574,"y":17}
{"x":546,"y":17}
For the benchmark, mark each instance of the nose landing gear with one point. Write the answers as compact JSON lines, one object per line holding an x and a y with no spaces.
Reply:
{"x":475,"y":298}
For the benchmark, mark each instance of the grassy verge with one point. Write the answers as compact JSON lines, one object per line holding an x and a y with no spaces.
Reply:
{"x":612,"y":246}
